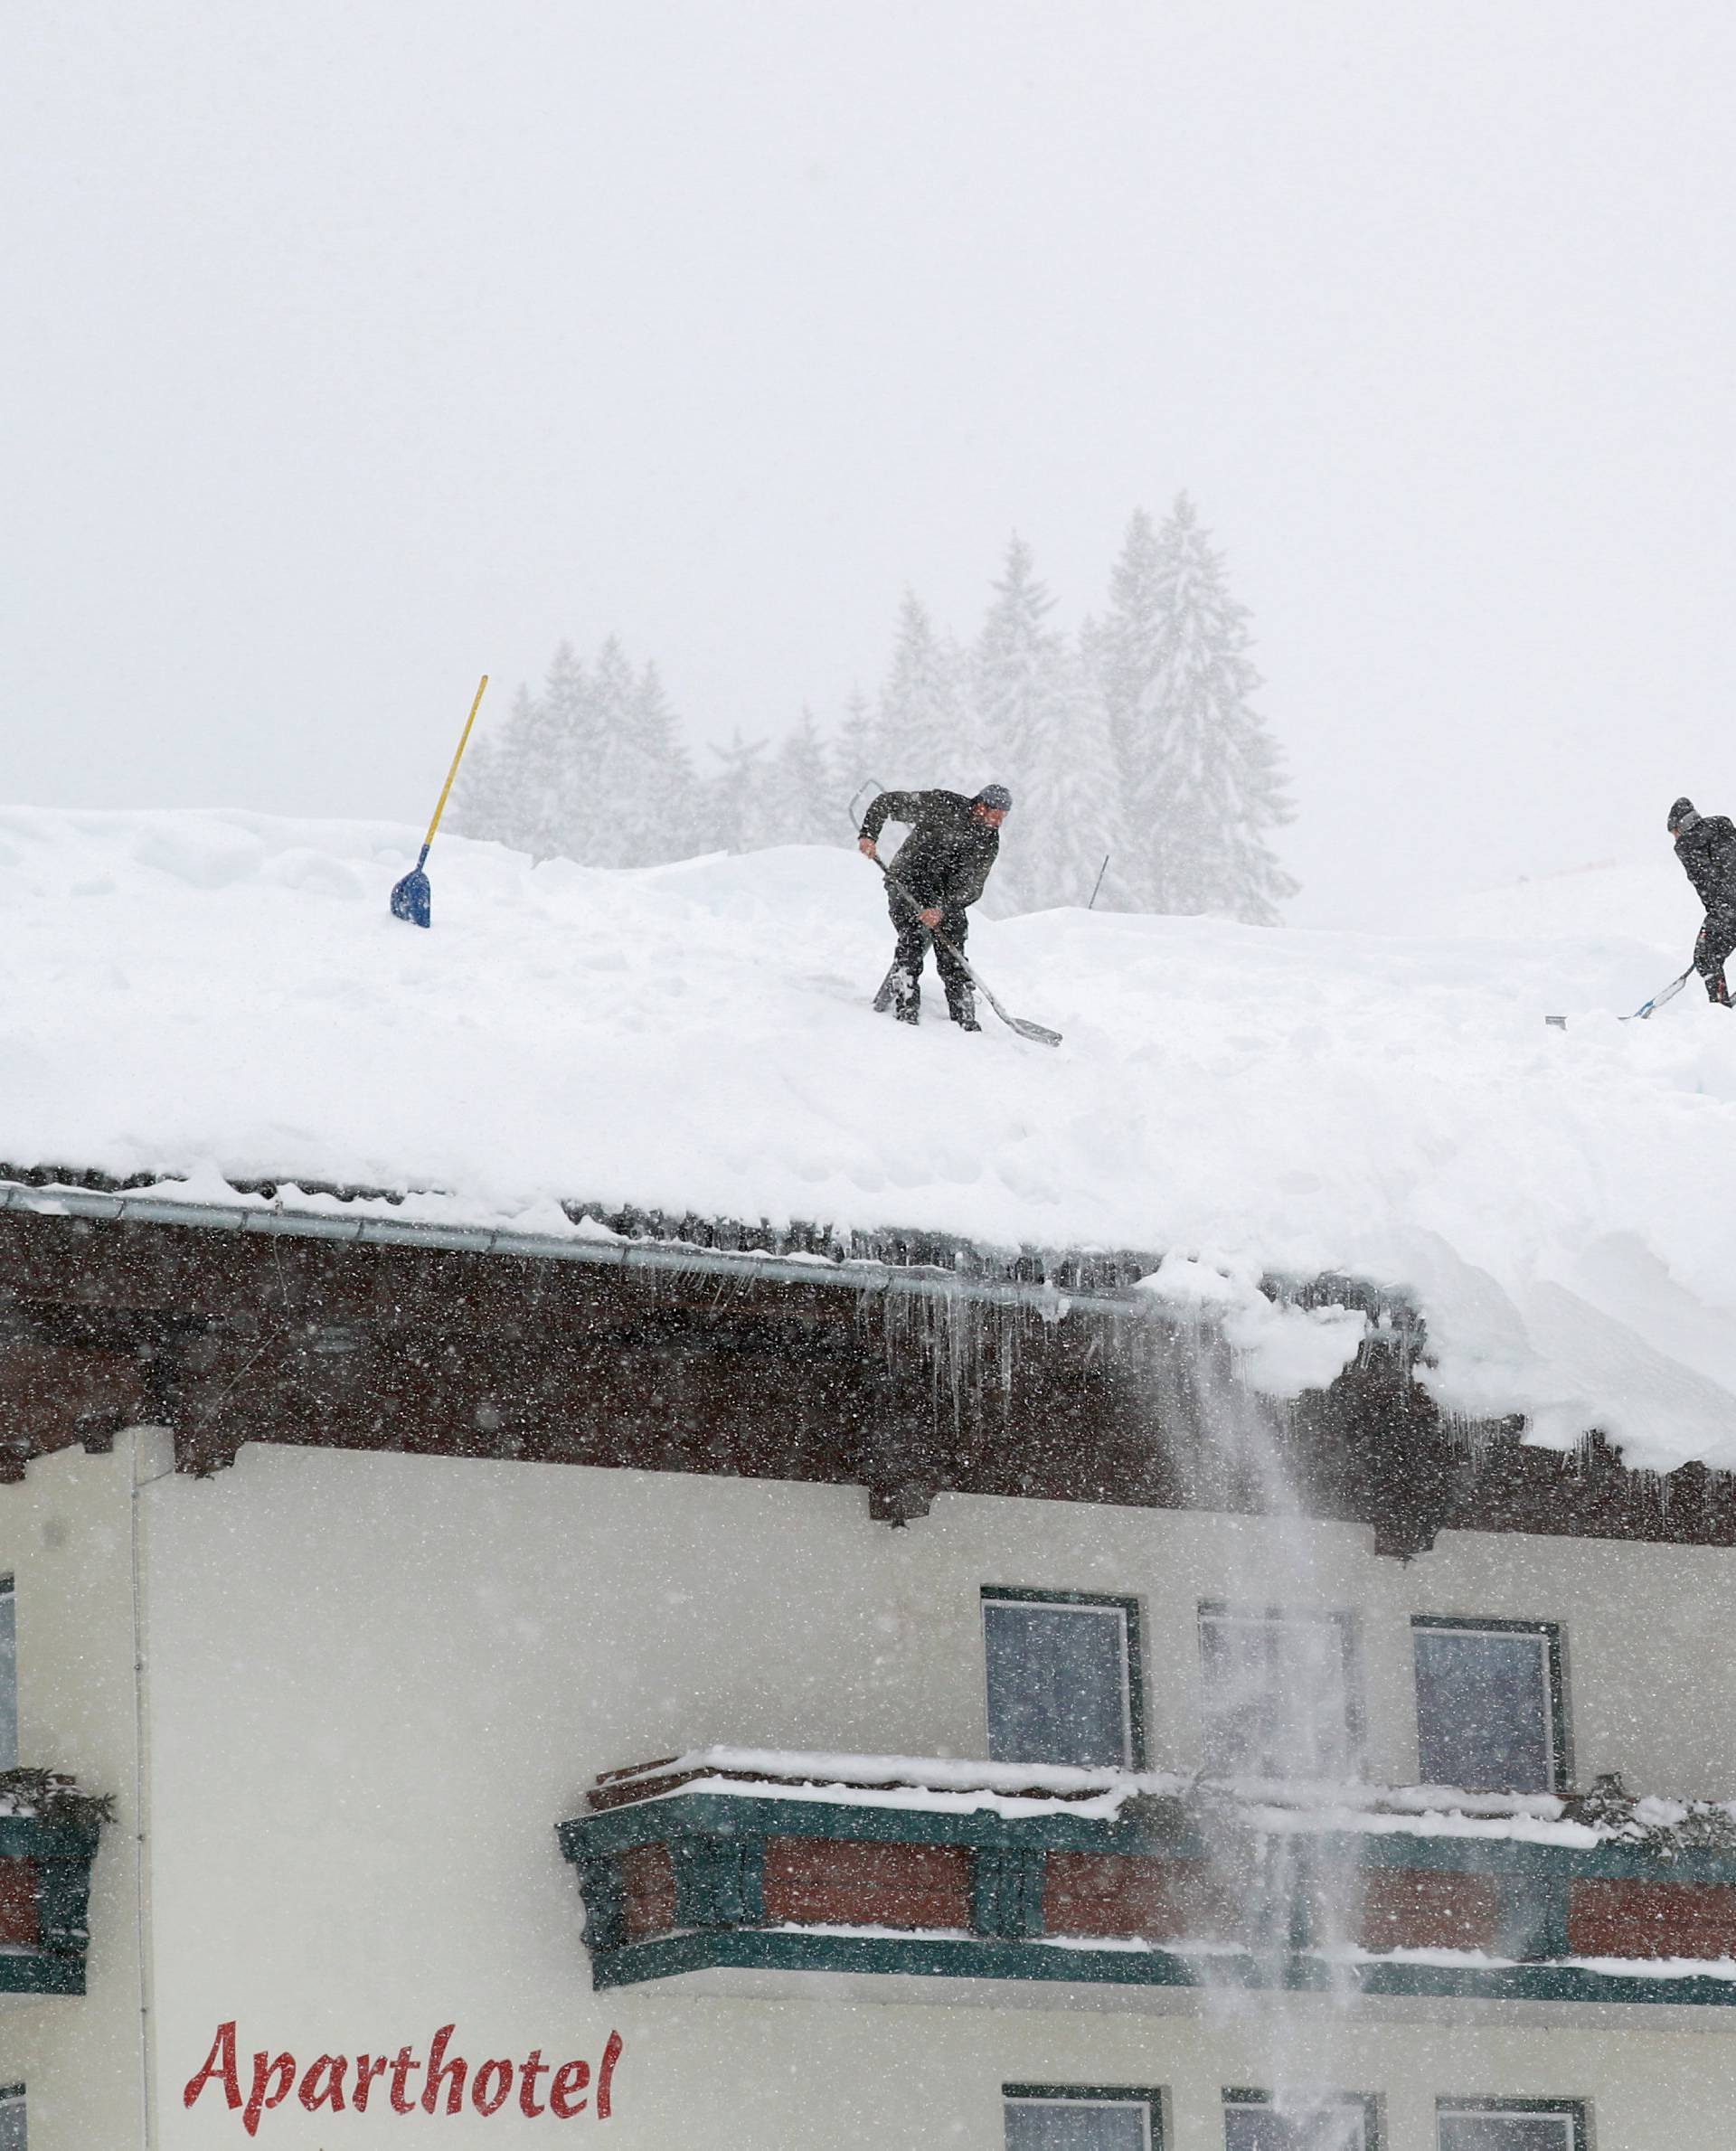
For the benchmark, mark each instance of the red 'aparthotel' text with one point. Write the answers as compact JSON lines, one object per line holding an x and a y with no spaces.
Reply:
{"x":334,"y":2083}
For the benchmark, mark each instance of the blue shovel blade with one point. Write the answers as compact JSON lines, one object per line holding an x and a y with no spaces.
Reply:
{"x":411,"y":898}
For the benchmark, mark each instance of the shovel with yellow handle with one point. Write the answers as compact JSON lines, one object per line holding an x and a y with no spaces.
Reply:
{"x":411,"y":898}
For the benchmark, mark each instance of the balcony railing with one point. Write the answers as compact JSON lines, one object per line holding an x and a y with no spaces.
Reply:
{"x":780,"y":1863}
{"x":48,"y":1839}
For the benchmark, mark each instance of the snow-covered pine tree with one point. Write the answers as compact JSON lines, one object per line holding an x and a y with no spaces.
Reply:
{"x":641,"y":788}
{"x":1026,"y":698}
{"x":1215,"y":784}
{"x":520,"y":791}
{"x":622,"y":784}
{"x":738,"y":799}
{"x":804,"y":810}
{"x":856,"y":756}
{"x":1075,"y":783}
{"x":670,"y":807}
{"x":478,"y":808}
{"x":922,"y":728}
{"x":1127,"y":655}
{"x":554,"y":764}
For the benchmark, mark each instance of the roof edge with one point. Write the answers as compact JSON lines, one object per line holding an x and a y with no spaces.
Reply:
{"x":922,"y":1282}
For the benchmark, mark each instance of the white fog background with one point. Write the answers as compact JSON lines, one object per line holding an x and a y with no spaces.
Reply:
{"x":352,"y":349}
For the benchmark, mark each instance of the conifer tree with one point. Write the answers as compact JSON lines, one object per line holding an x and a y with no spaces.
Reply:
{"x":593,"y":769}
{"x":614,"y":831}
{"x":804,"y":808}
{"x":480,"y":804}
{"x":641,"y":785}
{"x":922,"y":724}
{"x":1203,"y":778}
{"x":1075,"y":783}
{"x":1024,"y":699}
{"x":555,"y":755}
{"x":670,"y":808}
{"x":856,"y":756}
{"x":516,"y":789}
{"x":738,"y":799}
{"x":1218,"y":781}
{"x":1126,"y":650}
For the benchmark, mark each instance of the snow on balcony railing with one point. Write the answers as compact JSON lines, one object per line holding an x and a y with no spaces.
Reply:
{"x":771,"y":1860}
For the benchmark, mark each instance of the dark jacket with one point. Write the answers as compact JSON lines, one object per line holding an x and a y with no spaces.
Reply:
{"x":944,"y":862}
{"x":1706,"y":847}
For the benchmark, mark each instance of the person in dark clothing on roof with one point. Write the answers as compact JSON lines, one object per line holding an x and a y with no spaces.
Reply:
{"x":940,"y":868}
{"x":1705,"y":844}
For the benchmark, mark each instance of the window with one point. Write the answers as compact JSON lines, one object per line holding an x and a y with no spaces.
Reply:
{"x":1279,"y":1693}
{"x":12,"y":2119}
{"x":1490,"y":1714}
{"x":1336,"y":2121}
{"x":1082,"y":2117}
{"x":8,"y":1706}
{"x":1064,"y":1678}
{"x":1512,"y":2125}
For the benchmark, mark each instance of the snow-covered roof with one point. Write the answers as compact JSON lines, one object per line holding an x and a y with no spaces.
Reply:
{"x":222,"y":997}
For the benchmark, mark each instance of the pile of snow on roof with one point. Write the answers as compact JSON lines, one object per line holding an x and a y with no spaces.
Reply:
{"x":218,"y":997}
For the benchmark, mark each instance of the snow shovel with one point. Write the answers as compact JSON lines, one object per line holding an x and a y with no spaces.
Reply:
{"x":1657,"y":1000}
{"x":1645,"y":1008}
{"x":1024,"y":1028}
{"x":411,"y":898}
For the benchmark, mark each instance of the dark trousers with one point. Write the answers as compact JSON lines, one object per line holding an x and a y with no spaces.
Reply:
{"x":907,"y":958}
{"x":1711,"y":952}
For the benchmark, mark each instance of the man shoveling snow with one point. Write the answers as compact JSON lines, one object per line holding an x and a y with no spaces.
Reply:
{"x":940,"y":868}
{"x":1705,"y":844}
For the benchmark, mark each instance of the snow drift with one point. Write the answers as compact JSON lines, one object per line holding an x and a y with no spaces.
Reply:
{"x":217,"y":996}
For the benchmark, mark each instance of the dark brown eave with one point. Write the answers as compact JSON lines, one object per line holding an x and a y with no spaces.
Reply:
{"x":253,"y":1322}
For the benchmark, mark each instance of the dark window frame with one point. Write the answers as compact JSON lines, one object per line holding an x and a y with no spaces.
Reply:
{"x":1560,"y":1771}
{"x":1577,"y":2111}
{"x":1374,"y":2138}
{"x":1149,"y":2095}
{"x":1127,"y":1606}
{"x":1349,"y":1629}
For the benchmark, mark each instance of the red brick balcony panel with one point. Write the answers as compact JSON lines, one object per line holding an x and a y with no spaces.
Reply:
{"x":1416,"y":1908}
{"x":649,"y":1883}
{"x":1110,"y":1894}
{"x":826,"y":1881}
{"x":19,"y":1904}
{"x":1636,"y":1918}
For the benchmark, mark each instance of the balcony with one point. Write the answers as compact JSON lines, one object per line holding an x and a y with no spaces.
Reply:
{"x":48,"y":1839}
{"x":759,"y":1863}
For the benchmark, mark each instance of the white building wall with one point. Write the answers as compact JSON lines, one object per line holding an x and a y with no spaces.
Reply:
{"x":66,"y":1538}
{"x":377,"y":1682}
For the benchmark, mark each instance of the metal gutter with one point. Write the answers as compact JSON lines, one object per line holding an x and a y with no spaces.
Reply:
{"x":749,"y":1267}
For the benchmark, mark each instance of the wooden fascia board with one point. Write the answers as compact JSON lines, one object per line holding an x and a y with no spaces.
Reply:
{"x":946,"y":1957}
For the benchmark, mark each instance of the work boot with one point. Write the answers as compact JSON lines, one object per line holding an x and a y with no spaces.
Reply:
{"x":961,"y":1007}
{"x":907,"y":997}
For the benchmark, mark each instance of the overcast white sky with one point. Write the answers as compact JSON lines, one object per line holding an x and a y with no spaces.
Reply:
{"x":354,"y":347}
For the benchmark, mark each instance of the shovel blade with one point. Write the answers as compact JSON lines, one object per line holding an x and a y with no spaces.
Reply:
{"x":1026,"y":1029}
{"x":412,"y":899}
